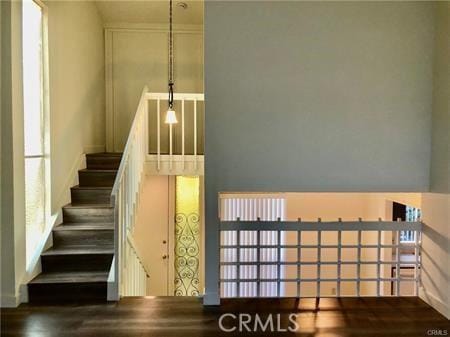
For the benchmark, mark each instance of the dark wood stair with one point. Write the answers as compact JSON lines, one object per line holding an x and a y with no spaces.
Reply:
{"x":76,"y":268}
{"x":90,"y":195}
{"x":97,"y":177}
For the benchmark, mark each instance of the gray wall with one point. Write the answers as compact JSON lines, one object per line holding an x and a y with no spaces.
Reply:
{"x":315,"y":96}
{"x":440,"y":141}
{"x":319,"y":96}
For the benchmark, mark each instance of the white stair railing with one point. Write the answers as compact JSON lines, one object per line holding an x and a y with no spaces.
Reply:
{"x":128,"y":275}
{"x":134,"y":273}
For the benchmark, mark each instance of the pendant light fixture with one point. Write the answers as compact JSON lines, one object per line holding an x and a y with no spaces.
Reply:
{"x":171,"y":117}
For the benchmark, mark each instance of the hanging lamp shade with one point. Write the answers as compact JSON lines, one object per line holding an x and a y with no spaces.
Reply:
{"x":171,"y":117}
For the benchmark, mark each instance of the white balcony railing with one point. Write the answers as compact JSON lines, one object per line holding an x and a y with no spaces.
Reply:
{"x":183,"y":151}
{"x":317,"y":259}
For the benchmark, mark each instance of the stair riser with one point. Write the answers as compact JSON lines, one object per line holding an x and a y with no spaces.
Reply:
{"x":93,"y":178}
{"x":103,"y":162}
{"x":78,"y":215}
{"x":76,"y":262}
{"x":83,"y":238}
{"x":90,"y":196}
{"x":54,"y":292}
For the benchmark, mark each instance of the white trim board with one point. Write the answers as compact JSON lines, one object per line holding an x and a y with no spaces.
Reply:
{"x":435,"y":302}
{"x":161,"y":27}
{"x":72,"y":180}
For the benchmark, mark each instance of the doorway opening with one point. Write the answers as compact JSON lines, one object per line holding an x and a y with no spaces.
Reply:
{"x":407,"y":252}
{"x":168,"y":234}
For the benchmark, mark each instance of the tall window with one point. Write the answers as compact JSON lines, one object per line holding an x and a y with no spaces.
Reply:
{"x":35,"y":125}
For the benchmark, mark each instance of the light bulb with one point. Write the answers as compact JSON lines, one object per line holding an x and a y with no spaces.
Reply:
{"x":171,"y":117}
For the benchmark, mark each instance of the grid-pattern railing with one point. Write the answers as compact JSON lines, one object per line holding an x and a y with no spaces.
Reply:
{"x":266,"y":207}
{"x":317,"y":259}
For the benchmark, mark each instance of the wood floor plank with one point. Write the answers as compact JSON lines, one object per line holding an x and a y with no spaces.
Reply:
{"x":178,"y":316}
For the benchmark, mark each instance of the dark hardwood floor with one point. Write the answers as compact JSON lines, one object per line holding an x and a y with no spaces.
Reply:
{"x":170,"y":316}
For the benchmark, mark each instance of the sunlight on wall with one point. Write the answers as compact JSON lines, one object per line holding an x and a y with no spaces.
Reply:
{"x":187,"y":236}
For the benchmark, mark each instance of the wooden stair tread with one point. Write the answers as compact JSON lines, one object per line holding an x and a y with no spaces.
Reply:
{"x":82,"y":226}
{"x":78,"y":187}
{"x":71,"y":277}
{"x":78,"y":250}
{"x":98,"y":170}
{"x":88,"y":206}
{"x":104,"y":154}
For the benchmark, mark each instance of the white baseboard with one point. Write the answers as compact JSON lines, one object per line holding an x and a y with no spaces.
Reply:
{"x":34,"y":268}
{"x":9,"y":301}
{"x":72,"y":180}
{"x":435,"y":302}
{"x":23,"y":293}
{"x":94,"y":148}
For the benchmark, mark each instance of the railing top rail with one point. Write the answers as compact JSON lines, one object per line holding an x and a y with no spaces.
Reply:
{"x":176,"y":96}
{"x":319,"y":225}
{"x":123,"y":161}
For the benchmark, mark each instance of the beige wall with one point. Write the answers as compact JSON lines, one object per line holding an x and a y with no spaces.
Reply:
{"x":138,"y":58}
{"x":77,"y":90}
{"x":436,"y":252}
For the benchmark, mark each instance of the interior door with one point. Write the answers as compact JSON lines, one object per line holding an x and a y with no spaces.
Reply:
{"x":151,"y":233}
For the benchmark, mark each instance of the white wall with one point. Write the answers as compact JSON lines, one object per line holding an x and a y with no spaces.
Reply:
{"x":436,"y":205}
{"x":77,"y":90}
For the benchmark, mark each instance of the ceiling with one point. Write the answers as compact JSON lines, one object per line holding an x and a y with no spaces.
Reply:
{"x":150,"y":11}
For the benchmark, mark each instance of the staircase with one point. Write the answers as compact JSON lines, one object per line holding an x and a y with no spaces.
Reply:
{"x":78,"y":264}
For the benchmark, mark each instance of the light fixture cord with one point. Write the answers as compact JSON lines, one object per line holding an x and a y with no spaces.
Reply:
{"x":170,"y":57}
